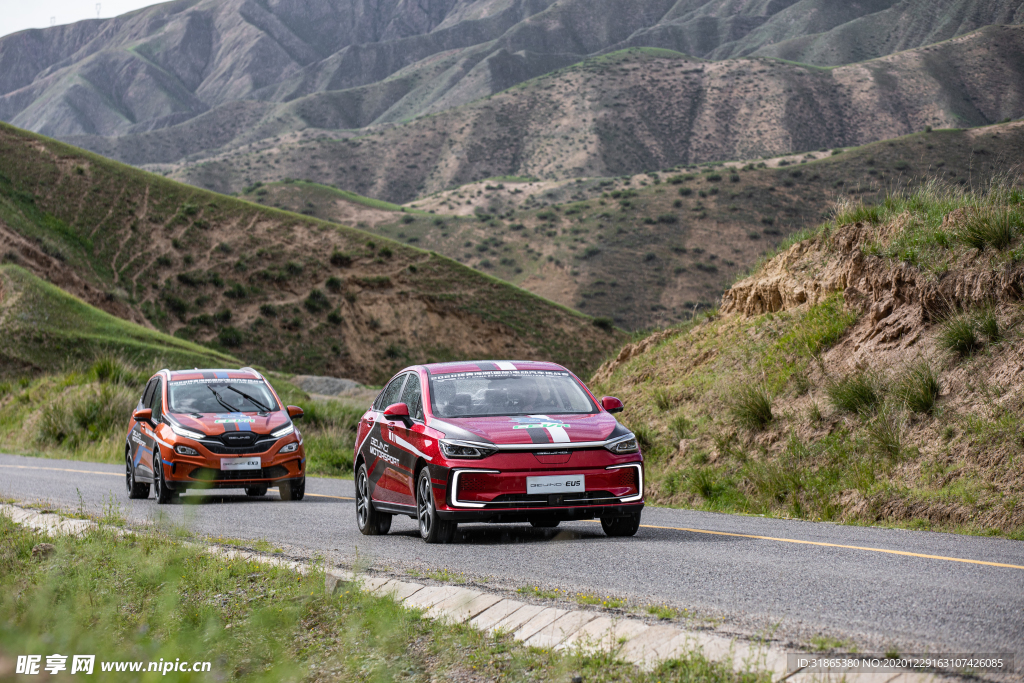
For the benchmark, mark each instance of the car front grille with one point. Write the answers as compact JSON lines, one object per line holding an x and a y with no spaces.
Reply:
{"x":219,"y":448}
{"x":522,"y":500}
{"x":210,"y":474}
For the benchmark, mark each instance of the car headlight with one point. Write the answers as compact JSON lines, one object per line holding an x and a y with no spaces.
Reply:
{"x":290,"y":448}
{"x":283,"y":431}
{"x":465,"y":449}
{"x":185,"y":450}
{"x":625,"y":444}
{"x":187,"y":433}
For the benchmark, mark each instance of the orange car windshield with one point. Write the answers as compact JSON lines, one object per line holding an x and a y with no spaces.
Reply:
{"x":220,"y":396}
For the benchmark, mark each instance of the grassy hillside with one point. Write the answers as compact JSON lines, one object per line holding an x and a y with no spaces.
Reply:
{"x":42,"y":327}
{"x":639,"y":110}
{"x":648,"y":250}
{"x":274,"y":288}
{"x":868,"y":374}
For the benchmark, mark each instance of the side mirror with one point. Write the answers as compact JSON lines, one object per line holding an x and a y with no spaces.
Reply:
{"x":612,"y":404}
{"x":295,"y":412}
{"x":143,"y":415}
{"x":397,"y":411}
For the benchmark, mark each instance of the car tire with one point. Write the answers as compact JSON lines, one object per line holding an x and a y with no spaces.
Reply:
{"x":136,"y":490}
{"x":292,"y":490}
{"x":369,"y":521}
{"x":433,"y":529}
{"x":255,"y":491}
{"x":621,"y":526}
{"x":542,"y":523}
{"x":164,"y":495}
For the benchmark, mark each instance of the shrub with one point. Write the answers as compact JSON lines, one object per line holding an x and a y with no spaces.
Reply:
{"x":222,"y":316}
{"x":992,"y":228}
{"x":702,"y":483}
{"x":333,"y":284}
{"x":685,"y":191}
{"x":385,"y":252}
{"x":855,"y":393}
{"x":334,"y":318}
{"x":408,"y":219}
{"x":713,"y":177}
{"x":604,"y":323}
{"x":317,"y":302}
{"x":680,"y":427}
{"x":88,"y":416}
{"x":662,"y":399}
{"x":958,"y":336}
{"x":268,"y":310}
{"x":919,"y":388}
{"x":989,"y":324}
{"x":668,"y":218}
{"x":885,"y":433}
{"x":752,"y":407}
{"x":237,"y":292}
{"x":230,"y":337}
{"x":341,"y":259}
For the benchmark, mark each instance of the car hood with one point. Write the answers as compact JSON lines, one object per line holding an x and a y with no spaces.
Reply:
{"x":532,"y":429}
{"x":215,"y":424}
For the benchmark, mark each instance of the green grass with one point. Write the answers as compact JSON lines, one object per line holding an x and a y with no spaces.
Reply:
{"x":146,"y":598}
{"x":958,"y":335}
{"x":752,"y":407}
{"x":48,"y":328}
{"x":855,"y":393}
{"x":919,"y":387}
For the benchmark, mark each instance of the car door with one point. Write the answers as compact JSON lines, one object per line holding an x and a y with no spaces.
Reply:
{"x":148,"y":451}
{"x":377,"y":450}
{"x":407,"y":439}
{"x":137,"y":440}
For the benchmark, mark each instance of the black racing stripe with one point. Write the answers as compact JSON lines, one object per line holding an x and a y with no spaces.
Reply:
{"x":209,"y":375}
{"x":486,"y":367}
{"x":539,"y":435}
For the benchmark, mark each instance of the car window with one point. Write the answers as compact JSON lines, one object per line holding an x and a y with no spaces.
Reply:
{"x":391,"y":393}
{"x":413,"y":397}
{"x":147,"y":395}
{"x":158,"y":400}
{"x":220,"y":396}
{"x":500,"y":392}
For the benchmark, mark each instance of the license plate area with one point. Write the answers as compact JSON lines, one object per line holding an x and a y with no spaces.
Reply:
{"x":241,"y":463}
{"x":562,"y":484}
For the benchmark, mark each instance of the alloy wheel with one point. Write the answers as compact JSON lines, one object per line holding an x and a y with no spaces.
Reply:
{"x":362,"y":500}
{"x":425,"y":506}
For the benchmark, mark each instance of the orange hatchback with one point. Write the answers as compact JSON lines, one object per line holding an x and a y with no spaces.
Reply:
{"x":213,"y":429}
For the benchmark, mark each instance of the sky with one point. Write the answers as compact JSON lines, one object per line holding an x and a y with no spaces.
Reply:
{"x":18,"y":15}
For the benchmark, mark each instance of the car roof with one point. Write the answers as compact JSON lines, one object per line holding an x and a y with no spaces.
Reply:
{"x":491,"y":366}
{"x":197,"y":373}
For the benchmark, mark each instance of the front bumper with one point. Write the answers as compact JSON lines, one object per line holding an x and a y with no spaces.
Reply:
{"x":203,"y":470}
{"x":478,"y":494}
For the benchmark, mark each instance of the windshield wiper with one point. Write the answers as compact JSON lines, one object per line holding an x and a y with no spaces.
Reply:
{"x":263,"y":408}
{"x":231,"y":408}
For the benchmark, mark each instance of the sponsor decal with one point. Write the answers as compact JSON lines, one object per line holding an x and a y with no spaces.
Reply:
{"x":235,"y":420}
{"x":222,"y":380}
{"x":487,"y":374}
{"x":541,"y":425}
{"x":379,"y":449}
{"x":136,"y":439}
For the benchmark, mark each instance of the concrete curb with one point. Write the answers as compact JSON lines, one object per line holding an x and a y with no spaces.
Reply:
{"x":546,"y":627}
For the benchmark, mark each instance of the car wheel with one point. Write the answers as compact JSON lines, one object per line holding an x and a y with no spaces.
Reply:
{"x":136,"y":490}
{"x":433,"y":529}
{"x":292,"y":490}
{"x":255,"y":491}
{"x":542,"y":523}
{"x":369,"y":521}
{"x":621,"y":526}
{"x":164,"y":495}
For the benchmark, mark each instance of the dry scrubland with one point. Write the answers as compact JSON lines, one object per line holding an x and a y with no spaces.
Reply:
{"x":870,"y":373}
{"x":286,"y":291}
{"x":648,"y":250}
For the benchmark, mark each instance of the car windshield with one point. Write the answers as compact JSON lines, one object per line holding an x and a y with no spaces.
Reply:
{"x":472,"y":394}
{"x":220,"y":396}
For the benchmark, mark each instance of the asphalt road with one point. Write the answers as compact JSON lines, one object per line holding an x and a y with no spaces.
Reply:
{"x":794,"y":581}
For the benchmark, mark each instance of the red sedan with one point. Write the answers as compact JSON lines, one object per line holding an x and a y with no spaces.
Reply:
{"x":495,"y":441}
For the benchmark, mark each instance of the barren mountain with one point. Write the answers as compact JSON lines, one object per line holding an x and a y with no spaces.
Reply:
{"x":220,"y":73}
{"x":639,"y":110}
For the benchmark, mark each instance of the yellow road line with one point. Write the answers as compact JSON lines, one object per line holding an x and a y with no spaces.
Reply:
{"x":320,"y":495}
{"x":834,"y":545}
{"x":118,"y":474}
{"x":64,"y":469}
